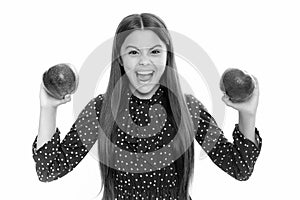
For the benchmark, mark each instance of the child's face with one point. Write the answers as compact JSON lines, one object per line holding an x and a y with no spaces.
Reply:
{"x":144,"y":58}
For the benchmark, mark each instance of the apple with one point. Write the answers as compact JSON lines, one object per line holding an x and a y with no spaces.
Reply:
{"x":237,"y":84}
{"x":60,"y":80}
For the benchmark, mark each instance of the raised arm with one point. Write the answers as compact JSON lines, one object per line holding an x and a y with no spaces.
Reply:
{"x":238,"y":158}
{"x":48,"y":110}
{"x":54,"y":159}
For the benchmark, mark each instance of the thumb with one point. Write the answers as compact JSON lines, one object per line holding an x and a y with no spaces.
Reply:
{"x":226,"y":100}
{"x":66,"y":98}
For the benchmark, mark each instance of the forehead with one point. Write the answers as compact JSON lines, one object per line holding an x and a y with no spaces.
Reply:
{"x":142,"y":39}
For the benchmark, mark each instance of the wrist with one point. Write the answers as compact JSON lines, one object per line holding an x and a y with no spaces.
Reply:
{"x":48,"y":108}
{"x":247,"y":114}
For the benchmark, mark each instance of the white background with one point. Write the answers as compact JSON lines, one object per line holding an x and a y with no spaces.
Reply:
{"x":262,"y":37}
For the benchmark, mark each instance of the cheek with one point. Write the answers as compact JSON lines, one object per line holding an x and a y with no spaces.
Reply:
{"x":161,"y":71}
{"x":129,"y":65}
{"x":128,"y":70}
{"x":160,"y":63}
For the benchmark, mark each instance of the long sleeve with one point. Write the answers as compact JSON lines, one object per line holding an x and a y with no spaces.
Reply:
{"x":238,"y":158}
{"x":55,"y":159}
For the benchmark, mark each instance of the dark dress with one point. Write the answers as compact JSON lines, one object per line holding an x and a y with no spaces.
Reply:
{"x":145,"y":167}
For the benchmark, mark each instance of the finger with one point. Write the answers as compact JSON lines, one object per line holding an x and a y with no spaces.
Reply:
{"x":226,"y":100}
{"x":256,"y":82}
{"x":41,"y":86}
{"x":66,"y":98}
{"x":256,"y":88}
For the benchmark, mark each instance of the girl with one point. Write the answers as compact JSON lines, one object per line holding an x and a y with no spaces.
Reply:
{"x":144,"y":125}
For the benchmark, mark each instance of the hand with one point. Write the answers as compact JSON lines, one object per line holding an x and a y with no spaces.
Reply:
{"x":248,"y":107}
{"x":47,"y":101}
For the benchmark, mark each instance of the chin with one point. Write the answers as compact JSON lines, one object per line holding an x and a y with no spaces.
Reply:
{"x":144,"y":88}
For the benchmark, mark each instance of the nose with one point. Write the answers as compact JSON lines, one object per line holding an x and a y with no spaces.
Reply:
{"x":144,"y":60}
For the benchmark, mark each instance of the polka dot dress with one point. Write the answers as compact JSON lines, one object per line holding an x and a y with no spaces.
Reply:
{"x":145,"y":166}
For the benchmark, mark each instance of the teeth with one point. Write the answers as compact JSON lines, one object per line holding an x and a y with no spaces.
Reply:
{"x":145,"y":72}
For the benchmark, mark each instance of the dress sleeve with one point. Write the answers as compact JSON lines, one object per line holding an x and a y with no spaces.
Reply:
{"x":55,"y":159}
{"x":238,"y":158}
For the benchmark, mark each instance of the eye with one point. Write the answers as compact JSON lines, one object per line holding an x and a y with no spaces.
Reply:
{"x":156,"y":51}
{"x":133,"y":52}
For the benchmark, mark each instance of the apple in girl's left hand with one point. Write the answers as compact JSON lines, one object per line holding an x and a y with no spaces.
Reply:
{"x":237,"y":84}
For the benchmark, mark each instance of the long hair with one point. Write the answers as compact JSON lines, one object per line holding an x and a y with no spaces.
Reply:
{"x":118,"y":82}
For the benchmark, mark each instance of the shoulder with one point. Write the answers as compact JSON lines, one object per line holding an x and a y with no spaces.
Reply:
{"x":97,"y":101}
{"x":92,"y":108}
{"x":94,"y":104}
{"x":197,"y":109}
{"x":99,"y":98}
{"x":194,"y":103}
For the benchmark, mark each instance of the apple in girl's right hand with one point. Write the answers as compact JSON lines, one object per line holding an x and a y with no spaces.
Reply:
{"x":60,"y":80}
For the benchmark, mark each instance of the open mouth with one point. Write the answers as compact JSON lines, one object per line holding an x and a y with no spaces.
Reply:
{"x":144,"y":76}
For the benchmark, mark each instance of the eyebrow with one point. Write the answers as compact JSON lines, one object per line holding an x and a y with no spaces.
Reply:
{"x":158,"y":45}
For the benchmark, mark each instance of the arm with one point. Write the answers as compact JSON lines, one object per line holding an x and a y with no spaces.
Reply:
{"x":247,"y":126}
{"x":48,"y":110}
{"x":247,"y":113}
{"x":238,"y":158}
{"x":47,"y":125}
{"x":54,"y":159}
